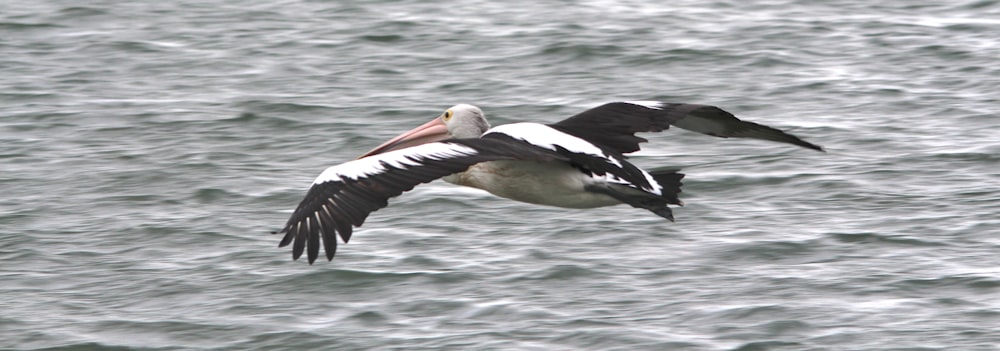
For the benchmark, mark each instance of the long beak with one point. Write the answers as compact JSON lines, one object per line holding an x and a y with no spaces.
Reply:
{"x":432,"y":131}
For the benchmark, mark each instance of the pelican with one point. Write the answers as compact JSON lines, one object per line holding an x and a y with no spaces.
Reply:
{"x":575,"y":163}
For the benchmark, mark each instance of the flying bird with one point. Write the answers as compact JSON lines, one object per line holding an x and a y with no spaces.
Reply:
{"x":575,"y":163}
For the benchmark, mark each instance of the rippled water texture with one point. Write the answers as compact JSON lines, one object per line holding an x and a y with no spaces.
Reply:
{"x":148,"y":149}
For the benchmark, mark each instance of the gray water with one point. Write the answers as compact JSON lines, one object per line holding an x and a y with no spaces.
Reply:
{"x":149,"y":148}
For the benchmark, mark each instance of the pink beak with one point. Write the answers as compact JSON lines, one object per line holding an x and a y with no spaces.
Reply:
{"x":432,"y":131}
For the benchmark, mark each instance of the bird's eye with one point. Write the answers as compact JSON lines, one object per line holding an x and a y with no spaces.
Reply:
{"x":447,"y":115}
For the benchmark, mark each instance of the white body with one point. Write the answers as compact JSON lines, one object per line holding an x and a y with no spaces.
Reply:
{"x":543,"y":183}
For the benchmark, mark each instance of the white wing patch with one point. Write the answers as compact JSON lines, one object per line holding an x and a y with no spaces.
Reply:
{"x":400,"y":159}
{"x":544,"y":136}
{"x":654,"y":188}
{"x":655,"y":105}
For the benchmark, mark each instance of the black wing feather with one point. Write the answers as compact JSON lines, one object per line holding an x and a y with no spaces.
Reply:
{"x":333,"y":206}
{"x":329,"y":232}
{"x":312,"y":246}
{"x":613,"y":125}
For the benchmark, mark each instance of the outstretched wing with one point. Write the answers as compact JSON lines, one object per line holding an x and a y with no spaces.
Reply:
{"x":344,"y":195}
{"x":613,"y":125}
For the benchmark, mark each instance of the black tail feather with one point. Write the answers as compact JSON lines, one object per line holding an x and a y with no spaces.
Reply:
{"x":670,"y":180}
{"x":642,"y":199}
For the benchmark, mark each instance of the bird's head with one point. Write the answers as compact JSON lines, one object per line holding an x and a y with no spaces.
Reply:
{"x":459,"y":121}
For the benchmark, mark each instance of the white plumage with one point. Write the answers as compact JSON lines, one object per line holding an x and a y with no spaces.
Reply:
{"x":401,"y":159}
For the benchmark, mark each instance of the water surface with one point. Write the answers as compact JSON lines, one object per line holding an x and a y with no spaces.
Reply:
{"x":149,"y":148}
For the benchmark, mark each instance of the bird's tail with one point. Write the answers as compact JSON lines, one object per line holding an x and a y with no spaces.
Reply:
{"x":670,"y":181}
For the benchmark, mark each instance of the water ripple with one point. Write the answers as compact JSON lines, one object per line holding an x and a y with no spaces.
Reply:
{"x":149,"y":149}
